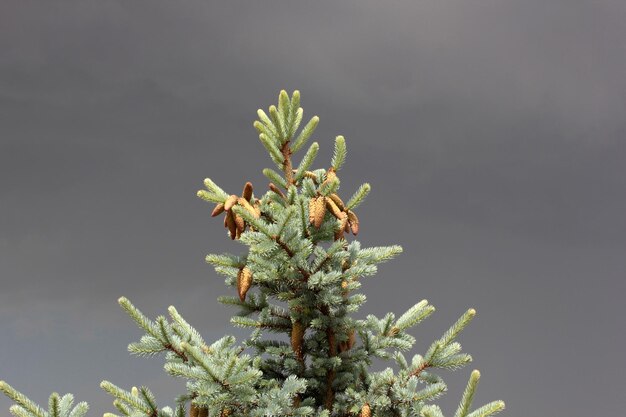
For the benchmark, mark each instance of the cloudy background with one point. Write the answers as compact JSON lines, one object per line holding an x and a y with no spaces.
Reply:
{"x":492,"y":132}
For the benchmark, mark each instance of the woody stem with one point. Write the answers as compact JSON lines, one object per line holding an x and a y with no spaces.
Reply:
{"x":287,"y":167}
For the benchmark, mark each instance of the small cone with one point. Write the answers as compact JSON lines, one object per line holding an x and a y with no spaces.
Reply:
{"x":230,"y":202}
{"x":244,"y":282}
{"x":338,"y":201}
{"x":338,"y":233}
{"x":226,"y":412}
{"x":240,"y":223}
{"x":317,"y":210}
{"x":230,"y":223}
{"x":366,"y":411}
{"x":257,"y":208}
{"x":354,"y":222}
{"x":276,"y":190}
{"x":219,"y":209}
{"x":245,"y":204}
{"x":203,"y":412}
{"x":247,"y":191}
{"x":334,"y":209}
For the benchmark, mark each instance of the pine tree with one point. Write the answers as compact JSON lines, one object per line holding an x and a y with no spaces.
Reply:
{"x":299,"y":281}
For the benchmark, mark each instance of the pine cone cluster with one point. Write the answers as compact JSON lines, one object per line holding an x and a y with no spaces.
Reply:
{"x":235,"y":223}
{"x":333,"y":203}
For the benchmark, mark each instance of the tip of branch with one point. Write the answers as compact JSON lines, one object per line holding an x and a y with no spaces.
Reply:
{"x":475,"y":374}
{"x":471,"y":312}
{"x":122,"y":300}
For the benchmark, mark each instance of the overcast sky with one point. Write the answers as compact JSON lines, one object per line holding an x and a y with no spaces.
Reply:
{"x":493,"y":134}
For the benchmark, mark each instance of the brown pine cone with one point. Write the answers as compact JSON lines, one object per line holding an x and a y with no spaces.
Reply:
{"x":230,"y":223}
{"x":247,"y":191}
{"x":317,"y":210}
{"x":366,"y":411}
{"x":354,"y":222}
{"x":244,"y":282}
{"x":338,"y":201}
{"x":219,"y":209}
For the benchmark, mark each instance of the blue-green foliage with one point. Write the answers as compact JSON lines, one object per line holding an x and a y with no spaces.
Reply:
{"x":307,"y":354}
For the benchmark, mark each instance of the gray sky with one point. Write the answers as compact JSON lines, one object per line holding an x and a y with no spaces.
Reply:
{"x":492,"y":132}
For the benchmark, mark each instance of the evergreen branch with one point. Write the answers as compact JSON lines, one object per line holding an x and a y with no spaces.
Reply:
{"x":305,"y":274}
{"x":53,"y":405}
{"x":295,"y":113}
{"x":213,"y":193}
{"x":122,"y":407}
{"x":284,"y":109}
{"x":22,"y":400}
{"x":269,"y":125}
{"x":277,"y":121}
{"x":286,"y":217}
{"x":272,"y":149}
{"x":339,"y":154}
{"x":80,"y":410}
{"x":468,"y":395}
{"x":65,"y":404}
{"x":378,"y":254}
{"x":358,"y":196}
{"x":19,"y":411}
{"x":430,"y":392}
{"x":414,"y":315}
{"x":127,"y":397}
{"x":148,"y":397}
{"x":275,"y":177}
{"x":488,"y":409}
{"x":305,"y":133}
{"x":307,"y":161}
{"x":456,"y":328}
{"x":180,"y":321}
{"x":268,"y":131}
{"x":431,"y":411}
{"x":139,"y":318}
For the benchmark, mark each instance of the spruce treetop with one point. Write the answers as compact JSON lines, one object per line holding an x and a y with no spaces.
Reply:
{"x":296,"y":287}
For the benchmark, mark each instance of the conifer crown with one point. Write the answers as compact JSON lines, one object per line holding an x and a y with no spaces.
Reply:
{"x":296,"y":288}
